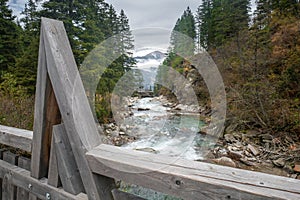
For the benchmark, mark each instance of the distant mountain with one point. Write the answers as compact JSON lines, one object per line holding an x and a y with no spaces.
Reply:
{"x":148,"y":64}
{"x":155,"y":55}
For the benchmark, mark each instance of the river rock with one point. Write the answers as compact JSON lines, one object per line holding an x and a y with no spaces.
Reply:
{"x":247,"y":162}
{"x":252,"y":159}
{"x":110,"y":126}
{"x":280,"y":162}
{"x":107,"y":131}
{"x":252,"y":133}
{"x":236,"y":135}
{"x":123,"y":128}
{"x":247,"y":153}
{"x":233,"y":148}
{"x":114,"y":134}
{"x":143,"y":109}
{"x":168,"y":105}
{"x":297,"y":168}
{"x":253,"y":150}
{"x":229,"y":138}
{"x":266,"y":137}
{"x":288,"y":169}
{"x":235,"y":155}
{"x":147,"y":149}
{"x":293,"y":176}
{"x":122,"y":133}
{"x":225,"y":161}
{"x":238,"y":145}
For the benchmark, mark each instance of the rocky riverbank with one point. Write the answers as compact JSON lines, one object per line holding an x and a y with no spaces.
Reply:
{"x":251,"y":150}
{"x":258,"y":151}
{"x":119,"y":135}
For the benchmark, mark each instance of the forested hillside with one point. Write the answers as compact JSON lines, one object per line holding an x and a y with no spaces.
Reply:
{"x":87,"y":24}
{"x":258,"y":56}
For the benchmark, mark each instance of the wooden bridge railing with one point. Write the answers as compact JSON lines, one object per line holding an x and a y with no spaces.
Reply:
{"x":69,"y":162}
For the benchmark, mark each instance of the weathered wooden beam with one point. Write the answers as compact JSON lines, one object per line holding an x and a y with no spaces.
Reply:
{"x":24,"y":163}
{"x":120,"y":195}
{"x":7,"y":188}
{"x":73,"y":105}
{"x":1,"y":157}
{"x":21,"y":178}
{"x":53,"y":175}
{"x":10,"y":157}
{"x":189,"y":179}
{"x":15,"y":137}
{"x":46,"y":114}
{"x":9,"y":191}
{"x":67,"y":167}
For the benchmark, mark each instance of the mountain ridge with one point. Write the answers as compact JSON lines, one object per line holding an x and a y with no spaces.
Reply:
{"x":155,"y":55}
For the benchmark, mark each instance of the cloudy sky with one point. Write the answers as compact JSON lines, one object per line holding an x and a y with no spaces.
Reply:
{"x":17,"y":6}
{"x":142,"y":13}
{"x":157,"y":13}
{"x":151,"y":20}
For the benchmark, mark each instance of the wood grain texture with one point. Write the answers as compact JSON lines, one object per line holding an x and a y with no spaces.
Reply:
{"x":53,"y":175}
{"x":15,"y":137}
{"x":7,"y":188}
{"x":189,"y":179}
{"x":1,"y":157}
{"x":74,"y":107}
{"x":46,"y":115}
{"x":24,"y":163}
{"x":21,"y":178}
{"x":9,"y":191}
{"x":67,"y":167}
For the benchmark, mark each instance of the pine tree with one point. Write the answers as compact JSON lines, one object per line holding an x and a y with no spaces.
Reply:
{"x":204,"y":24}
{"x":262,"y":14}
{"x":91,"y":33}
{"x":26,"y":64}
{"x":72,"y":13}
{"x":126,"y":41}
{"x":123,"y":46}
{"x":182,"y":45}
{"x":112,"y":22}
{"x":184,"y":34}
{"x":286,"y":7}
{"x":9,"y":37}
{"x":228,"y":19}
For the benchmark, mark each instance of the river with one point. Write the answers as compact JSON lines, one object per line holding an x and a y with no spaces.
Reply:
{"x":164,"y":132}
{"x":160,"y":130}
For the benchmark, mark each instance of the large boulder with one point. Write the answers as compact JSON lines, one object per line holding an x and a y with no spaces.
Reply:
{"x":225,"y":161}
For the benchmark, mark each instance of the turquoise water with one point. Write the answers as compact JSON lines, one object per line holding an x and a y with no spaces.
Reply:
{"x":146,"y":193}
{"x":163,"y":132}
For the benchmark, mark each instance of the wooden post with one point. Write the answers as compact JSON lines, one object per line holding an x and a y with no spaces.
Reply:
{"x":7,"y":188}
{"x":53,"y":175}
{"x":60,"y":92}
{"x":1,"y":157}
{"x":9,"y":191}
{"x":25,"y":164}
{"x":67,"y":167}
{"x":46,"y":115}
